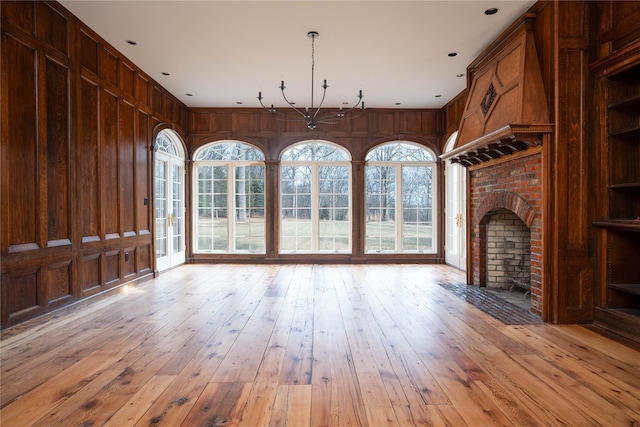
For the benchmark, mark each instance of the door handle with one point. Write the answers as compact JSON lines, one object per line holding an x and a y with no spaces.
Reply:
{"x":459,"y":220}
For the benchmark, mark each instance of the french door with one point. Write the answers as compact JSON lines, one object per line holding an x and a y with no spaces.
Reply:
{"x":169,"y":207}
{"x":456,"y":225}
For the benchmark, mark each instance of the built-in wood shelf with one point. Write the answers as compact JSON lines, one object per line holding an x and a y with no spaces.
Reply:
{"x":628,"y":102}
{"x":619,"y":224}
{"x":625,"y":185}
{"x":626,"y":132}
{"x":632,"y":288}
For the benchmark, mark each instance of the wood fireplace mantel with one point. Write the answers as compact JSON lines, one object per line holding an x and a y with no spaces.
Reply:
{"x":507,"y":140}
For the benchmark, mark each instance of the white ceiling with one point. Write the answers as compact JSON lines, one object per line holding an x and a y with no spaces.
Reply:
{"x":224,"y":52}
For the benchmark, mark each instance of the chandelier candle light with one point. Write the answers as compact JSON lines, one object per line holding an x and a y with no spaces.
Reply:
{"x":311,"y":115}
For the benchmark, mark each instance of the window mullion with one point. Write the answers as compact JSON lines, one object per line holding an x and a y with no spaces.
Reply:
{"x":399,"y":208}
{"x":231,"y":211}
{"x":315,"y":211}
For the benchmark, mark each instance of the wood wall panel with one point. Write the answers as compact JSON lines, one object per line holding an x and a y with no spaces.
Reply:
{"x":89,"y":153}
{"x":112,"y":267}
{"x":169,"y":108}
{"x":126,"y":166}
{"x":360,"y":124}
{"x":453,"y":114}
{"x":109,"y":164}
{"x":144,"y":258}
{"x":91,"y":272}
{"x":200,"y":121}
{"x":21,"y":293}
{"x":142,"y":90}
{"x":59,"y":280}
{"x":53,"y":27}
{"x":22,"y":14}
{"x":108,"y":63}
{"x":76,"y":165}
{"x":156,"y":101}
{"x":19,"y":145}
{"x":88,"y":53}
{"x":57,"y":147}
{"x":384,"y":122}
{"x":143,"y":166}
{"x":130,"y":262}
{"x":127,"y":79}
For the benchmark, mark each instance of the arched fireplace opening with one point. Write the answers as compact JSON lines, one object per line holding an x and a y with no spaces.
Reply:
{"x":508,"y":257}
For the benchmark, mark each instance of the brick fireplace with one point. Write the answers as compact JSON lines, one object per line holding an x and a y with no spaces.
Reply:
{"x":501,"y":141}
{"x":504,"y":192}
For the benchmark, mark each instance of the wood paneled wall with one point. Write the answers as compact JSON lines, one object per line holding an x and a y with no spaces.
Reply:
{"x":78,"y":123}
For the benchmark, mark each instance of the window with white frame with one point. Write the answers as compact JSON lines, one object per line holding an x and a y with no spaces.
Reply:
{"x":400,"y":185}
{"x":229,"y":198}
{"x":315,"y":191}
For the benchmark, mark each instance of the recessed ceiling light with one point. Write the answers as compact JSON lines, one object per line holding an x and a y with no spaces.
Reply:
{"x":189,"y":94}
{"x":491,"y":11}
{"x":131,"y":42}
{"x":438,"y":96}
{"x":164,"y":73}
{"x":452,"y":54}
{"x":459,"y":75}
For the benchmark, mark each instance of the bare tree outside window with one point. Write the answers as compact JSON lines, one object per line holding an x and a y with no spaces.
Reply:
{"x":315,"y":198}
{"x":230,"y":198}
{"x":399,"y":172}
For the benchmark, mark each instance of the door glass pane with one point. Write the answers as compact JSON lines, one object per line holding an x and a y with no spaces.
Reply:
{"x":296,"y":230}
{"x":417,"y":204}
{"x":381,"y":212}
{"x":211,"y":219}
{"x":178,"y":208}
{"x":334,"y":227}
{"x":452,"y":209}
{"x":161,"y":207}
{"x":249,"y":205}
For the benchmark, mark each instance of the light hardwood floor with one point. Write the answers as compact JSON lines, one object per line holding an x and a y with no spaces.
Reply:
{"x":309,"y":345}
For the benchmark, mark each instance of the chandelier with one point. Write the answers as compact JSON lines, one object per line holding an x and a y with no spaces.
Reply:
{"x":311,"y":115}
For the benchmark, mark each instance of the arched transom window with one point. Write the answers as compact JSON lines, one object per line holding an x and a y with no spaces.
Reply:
{"x":315,"y":187}
{"x":400,"y":199}
{"x":229,"y":195}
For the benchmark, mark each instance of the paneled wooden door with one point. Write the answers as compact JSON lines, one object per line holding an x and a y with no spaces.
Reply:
{"x":170,"y":211}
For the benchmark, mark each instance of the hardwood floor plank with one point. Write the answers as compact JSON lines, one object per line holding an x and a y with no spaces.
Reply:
{"x":218,"y":405}
{"x":470,"y":401}
{"x":588,"y":402}
{"x":308,"y":345}
{"x":140,"y":402}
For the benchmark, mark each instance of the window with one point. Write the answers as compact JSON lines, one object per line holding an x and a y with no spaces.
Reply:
{"x":229,"y":194}
{"x":400,"y":211}
{"x":315,"y":188}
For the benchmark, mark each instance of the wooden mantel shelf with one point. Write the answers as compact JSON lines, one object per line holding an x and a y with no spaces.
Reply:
{"x":504,"y":141}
